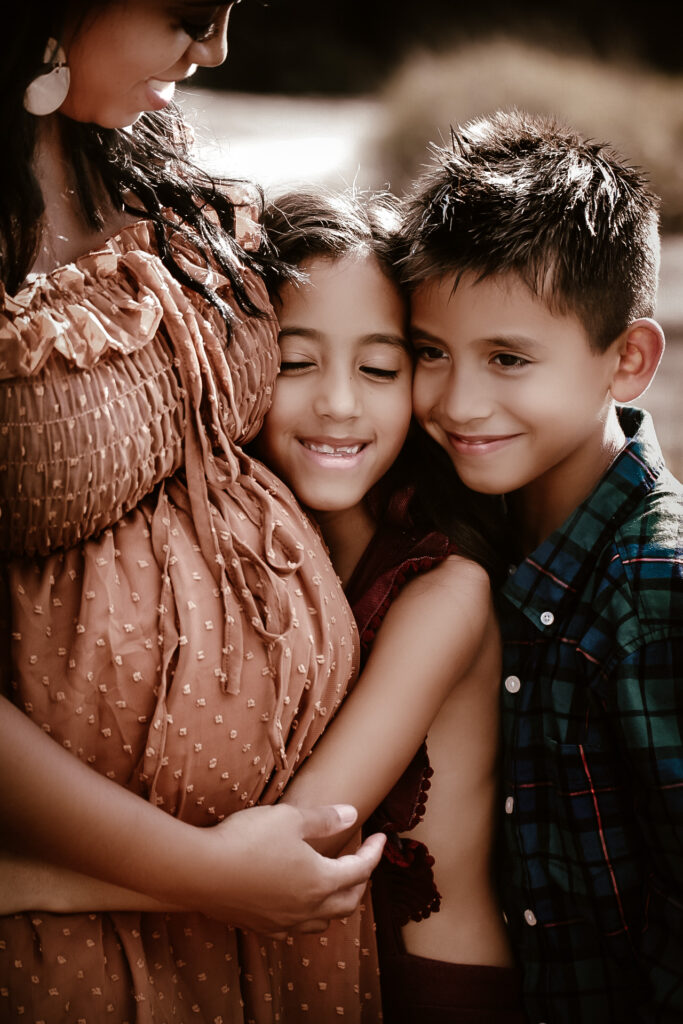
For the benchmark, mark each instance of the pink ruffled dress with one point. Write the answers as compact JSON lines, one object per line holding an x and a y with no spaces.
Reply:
{"x":172,"y":619}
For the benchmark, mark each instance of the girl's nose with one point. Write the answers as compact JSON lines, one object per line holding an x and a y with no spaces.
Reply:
{"x":337,"y":398}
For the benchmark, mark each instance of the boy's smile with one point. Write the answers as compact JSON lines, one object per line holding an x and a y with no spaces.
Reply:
{"x":513,"y":392}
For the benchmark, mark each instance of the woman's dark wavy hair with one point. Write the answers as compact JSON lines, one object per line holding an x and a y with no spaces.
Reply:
{"x":421,"y":490}
{"x":143,"y":171}
{"x":520,"y":193}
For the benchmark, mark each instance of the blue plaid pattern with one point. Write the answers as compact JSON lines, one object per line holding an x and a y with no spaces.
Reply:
{"x":591,"y":859}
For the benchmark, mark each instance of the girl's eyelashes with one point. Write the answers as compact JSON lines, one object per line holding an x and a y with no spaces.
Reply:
{"x":379,"y":372}
{"x":294,"y":365}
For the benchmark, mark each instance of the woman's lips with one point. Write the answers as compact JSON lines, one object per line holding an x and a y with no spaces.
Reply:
{"x":160,"y":92}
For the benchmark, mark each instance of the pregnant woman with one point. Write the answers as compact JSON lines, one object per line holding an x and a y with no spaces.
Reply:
{"x":172,"y":629}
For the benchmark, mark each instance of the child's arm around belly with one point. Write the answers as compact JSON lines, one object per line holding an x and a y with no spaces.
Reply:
{"x":438,"y":642}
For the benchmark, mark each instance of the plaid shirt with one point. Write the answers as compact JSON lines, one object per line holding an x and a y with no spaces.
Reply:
{"x":592,"y":853}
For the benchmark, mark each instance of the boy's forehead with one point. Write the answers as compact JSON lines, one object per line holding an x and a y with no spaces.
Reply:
{"x":494,"y":306}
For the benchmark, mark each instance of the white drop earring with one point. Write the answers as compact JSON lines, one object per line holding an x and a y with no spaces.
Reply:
{"x":49,"y":89}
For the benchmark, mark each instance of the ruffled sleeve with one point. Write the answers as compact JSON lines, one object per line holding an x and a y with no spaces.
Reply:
{"x":102,"y":365}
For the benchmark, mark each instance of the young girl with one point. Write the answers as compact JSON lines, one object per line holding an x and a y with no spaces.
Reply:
{"x":335,"y":432}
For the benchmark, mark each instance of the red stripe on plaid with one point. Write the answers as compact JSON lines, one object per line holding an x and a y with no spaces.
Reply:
{"x":601,"y":833}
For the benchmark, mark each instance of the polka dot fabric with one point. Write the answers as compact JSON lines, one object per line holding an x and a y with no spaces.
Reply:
{"x":174,"y":622}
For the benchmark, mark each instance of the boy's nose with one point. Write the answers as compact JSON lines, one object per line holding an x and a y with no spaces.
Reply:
{"x":465,"y":399}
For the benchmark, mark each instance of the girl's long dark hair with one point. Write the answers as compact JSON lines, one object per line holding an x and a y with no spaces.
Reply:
{"x":146,"y":171}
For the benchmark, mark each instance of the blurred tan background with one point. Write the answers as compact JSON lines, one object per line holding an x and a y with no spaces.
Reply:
{"x":622,"y":86}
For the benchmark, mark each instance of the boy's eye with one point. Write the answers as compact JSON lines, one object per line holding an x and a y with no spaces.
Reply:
{"x":509,"y":361}
{"x":429,"y":353}
{"x":379,"y":372}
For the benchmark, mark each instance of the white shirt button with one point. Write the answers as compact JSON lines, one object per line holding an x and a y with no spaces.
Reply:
{"x":512,"y":684}
{"x":510,"y":805}
{"x":530,"y":918}
{"x":547,"y":618}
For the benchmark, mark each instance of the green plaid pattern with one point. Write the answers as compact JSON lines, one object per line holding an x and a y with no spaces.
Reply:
{"x":591,"y":862}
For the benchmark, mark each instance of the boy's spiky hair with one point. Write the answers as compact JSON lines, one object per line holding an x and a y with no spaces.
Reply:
{"x":517,"y":193}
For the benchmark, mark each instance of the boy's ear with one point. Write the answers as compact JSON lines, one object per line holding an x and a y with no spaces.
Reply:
{"x":640,"y":349}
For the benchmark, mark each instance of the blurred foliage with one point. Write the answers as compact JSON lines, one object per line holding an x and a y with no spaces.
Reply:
{"x":637,"y":110}
{"x":342,"y":46}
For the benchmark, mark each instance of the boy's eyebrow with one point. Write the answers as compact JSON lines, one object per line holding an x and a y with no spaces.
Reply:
{"x":416,"y":331}
{"x":521,"y":342}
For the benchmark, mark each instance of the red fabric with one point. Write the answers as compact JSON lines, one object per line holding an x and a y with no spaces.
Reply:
{"x":392,"y":558}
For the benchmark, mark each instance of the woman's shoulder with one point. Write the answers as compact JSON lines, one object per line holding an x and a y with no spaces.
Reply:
{"x":111,"y":299}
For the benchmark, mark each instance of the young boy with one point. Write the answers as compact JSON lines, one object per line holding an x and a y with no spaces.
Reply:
{"x":533,"y":267}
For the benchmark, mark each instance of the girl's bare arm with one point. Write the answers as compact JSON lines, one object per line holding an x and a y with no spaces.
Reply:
{"x":440,"y":633}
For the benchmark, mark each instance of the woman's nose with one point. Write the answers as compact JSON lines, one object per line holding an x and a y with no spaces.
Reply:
{"x":209,"y":53}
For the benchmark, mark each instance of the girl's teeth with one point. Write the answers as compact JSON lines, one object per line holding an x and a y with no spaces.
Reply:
{"x":328,"y":449}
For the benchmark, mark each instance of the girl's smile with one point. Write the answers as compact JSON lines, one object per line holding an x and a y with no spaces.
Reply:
{"x":342,"y":402}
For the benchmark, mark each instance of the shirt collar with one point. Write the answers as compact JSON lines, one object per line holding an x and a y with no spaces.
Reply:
{"x":552,"y":573}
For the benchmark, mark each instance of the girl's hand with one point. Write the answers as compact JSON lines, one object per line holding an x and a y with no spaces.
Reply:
{"x":283,"y":883}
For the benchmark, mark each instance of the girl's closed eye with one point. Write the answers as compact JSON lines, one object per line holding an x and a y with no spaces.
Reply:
{"x":295,"y":355}
{"x":293,"y":366}
{"x":380,"y":372}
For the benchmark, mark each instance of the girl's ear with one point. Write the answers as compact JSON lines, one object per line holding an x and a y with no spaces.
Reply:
{"x":640,"y":349}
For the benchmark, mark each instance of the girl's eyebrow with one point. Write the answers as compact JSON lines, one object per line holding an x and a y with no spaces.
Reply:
{"x":395,"y":340}
{"x":300,"y":332}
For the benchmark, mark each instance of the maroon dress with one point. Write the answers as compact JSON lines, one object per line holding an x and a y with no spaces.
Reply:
{"x":415,"y":989}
